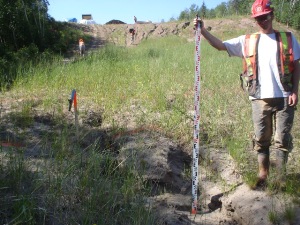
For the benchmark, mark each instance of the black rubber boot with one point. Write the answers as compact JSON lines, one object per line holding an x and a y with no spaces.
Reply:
{"x":281,"y":161}
{"x":263,"y":166}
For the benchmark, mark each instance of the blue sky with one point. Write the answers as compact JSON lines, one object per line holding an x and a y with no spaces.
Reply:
{"x":124,"y":10}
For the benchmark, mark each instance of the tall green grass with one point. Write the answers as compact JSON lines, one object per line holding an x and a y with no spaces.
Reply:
{"x":155,"y":79}
{"x":149,"y":86}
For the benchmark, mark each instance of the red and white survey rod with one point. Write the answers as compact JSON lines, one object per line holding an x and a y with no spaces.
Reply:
{"x":195,"y":170}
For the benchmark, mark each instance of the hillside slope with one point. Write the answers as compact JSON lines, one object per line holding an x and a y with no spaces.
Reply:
{"x":119,"y":34}
{"x":225,"y":200}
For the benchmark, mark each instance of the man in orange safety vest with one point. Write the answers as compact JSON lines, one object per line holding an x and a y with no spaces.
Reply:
{"x":271,"y":77}
{"x":81,"y":47}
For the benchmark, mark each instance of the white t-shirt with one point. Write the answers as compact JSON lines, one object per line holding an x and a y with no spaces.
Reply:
{"x":268,"y":75}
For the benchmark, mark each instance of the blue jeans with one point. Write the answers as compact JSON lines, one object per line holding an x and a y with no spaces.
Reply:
{"x":268,"y":114}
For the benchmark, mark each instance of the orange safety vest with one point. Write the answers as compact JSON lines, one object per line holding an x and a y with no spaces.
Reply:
{"x":285,"y":61}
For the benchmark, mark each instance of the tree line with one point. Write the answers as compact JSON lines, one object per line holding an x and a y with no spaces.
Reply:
{"x":29,"y":34}
{"x":286,"y":11}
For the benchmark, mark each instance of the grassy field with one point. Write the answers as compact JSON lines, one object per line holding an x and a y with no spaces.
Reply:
{"x":150,"y":85}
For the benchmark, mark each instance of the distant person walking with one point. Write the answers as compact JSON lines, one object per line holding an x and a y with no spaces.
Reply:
{"x":271,"y":77}
{"x":132,"y":32}
{"x":81,"y":47}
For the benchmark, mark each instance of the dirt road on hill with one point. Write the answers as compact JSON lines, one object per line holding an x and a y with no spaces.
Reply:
{"x":119,"y":34}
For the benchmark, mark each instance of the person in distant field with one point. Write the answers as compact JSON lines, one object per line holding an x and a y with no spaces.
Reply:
{"x":132,"y":32}
{"x":271,"y":77}
{"x":81,"y":47}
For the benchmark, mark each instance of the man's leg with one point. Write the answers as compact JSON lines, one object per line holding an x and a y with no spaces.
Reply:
{"x":283,"y":139}
{"x":262,"y":120}
{"x":83,"y":50}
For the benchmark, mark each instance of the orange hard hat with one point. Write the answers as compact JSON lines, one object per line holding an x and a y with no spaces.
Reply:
{"x":261,"y":7}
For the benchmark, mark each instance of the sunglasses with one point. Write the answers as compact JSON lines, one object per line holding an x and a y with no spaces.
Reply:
{"x":263,"y":18}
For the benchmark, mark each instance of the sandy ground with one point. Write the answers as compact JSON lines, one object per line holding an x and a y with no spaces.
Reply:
{"x":224,"y":199}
